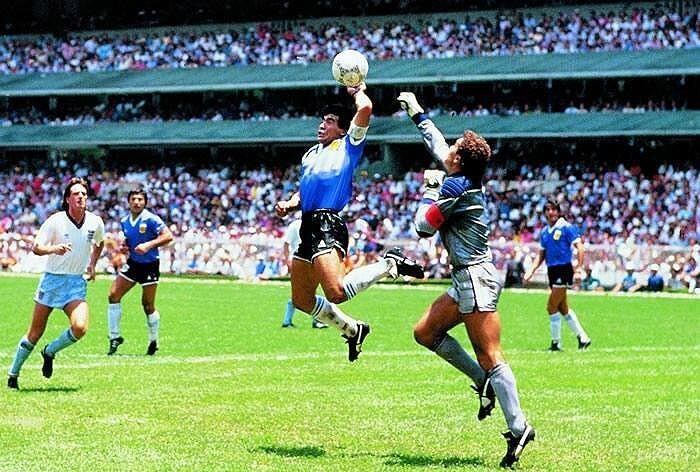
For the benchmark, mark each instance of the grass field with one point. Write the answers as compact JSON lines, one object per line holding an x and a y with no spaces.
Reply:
{"x":231,"y":390}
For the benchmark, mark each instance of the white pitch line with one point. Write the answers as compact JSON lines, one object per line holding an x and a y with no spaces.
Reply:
{"x":89,"y":361}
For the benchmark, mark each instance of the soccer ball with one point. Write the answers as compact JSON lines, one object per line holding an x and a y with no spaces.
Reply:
{"x":350,"y":68}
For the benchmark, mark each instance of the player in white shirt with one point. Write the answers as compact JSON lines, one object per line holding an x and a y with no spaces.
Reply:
{"x":73,"y":241}
{"x":292,"y":240}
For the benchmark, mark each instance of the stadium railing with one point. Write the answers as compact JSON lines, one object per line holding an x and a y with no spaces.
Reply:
{"x":662,"y":63}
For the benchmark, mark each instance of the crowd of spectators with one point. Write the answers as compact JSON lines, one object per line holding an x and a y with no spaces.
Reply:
{"x":125,"y":110}
{"x":630,"y":29}
{"x":224,"y":222}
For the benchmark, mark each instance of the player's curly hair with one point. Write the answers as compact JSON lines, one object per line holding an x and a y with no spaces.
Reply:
{"x":474,"y":153}
{"x":343,"y":113}
{"x":66,"y":191}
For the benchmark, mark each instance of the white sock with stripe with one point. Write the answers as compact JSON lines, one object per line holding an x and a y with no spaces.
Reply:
{"x":555,"y":327}
{"x":329,"y":313}
{"x":114,"y":318}
{"x":572,"y":321}
{"x":362,"y":278}
{"x":153,"y":323}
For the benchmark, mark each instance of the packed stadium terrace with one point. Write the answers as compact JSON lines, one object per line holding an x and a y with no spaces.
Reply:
{"x":224,"y":220}
{"x":126,"y":110}
{"x":630,"y":29}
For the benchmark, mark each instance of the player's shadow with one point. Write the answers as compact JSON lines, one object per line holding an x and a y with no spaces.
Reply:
{"x":49,"y":390}
{"x":399,"y":460}
{"x":292,"y":451}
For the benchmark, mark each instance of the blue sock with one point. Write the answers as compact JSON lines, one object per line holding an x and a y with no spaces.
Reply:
{"x":24,"y":348}
{"x":64,"y":340}
{"x":289,"y":314}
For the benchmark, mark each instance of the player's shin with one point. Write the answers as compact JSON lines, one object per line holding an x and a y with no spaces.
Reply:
{"x":24,"y":348}
{"x":64,"y":340}
{"x":362,"y":278}
{"x":153,"y":324}
{"x":328,"y":313}
{"x":503,"y":382}
{"x":450,"y":350}
{"x":114,"y":316}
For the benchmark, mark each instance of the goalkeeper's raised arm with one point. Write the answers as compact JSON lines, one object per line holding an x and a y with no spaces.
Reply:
{"x":432,"y":137}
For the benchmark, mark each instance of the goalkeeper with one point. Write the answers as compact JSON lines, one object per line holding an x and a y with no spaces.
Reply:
{"x":455,"y":205}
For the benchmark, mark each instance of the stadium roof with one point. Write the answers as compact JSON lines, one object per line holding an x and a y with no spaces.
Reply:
{"x":383,"y":130}
{"x":661,"y":63}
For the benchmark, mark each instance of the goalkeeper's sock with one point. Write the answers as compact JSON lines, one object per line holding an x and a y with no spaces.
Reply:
{"x":450,"y":350}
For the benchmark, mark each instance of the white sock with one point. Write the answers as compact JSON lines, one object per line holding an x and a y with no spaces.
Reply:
{"x":364,"y":277}
{"x":555,"y":327}
{"x":575,"y":326}
{"x":114,"y":317}
{"x":153,"y":323}
{"x":328,"y":313}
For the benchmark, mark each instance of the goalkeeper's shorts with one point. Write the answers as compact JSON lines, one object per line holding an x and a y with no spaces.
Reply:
{"x":476,"y":287}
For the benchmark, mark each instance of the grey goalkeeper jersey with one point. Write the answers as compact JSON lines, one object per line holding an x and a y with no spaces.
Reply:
{"x":465,"y":229}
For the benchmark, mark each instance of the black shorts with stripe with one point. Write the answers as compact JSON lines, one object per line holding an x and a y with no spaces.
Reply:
{"x":144,"y":273}
{"x":321,"y":231}
{"x":561,"y":275}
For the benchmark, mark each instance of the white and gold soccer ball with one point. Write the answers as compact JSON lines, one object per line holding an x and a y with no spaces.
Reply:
{"x":350,"y":67}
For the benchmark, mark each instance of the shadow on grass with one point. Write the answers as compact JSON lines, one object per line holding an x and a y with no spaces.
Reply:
{"x":427,"y":461}
{"x":292,"y":451}
{"x":48,"y":389}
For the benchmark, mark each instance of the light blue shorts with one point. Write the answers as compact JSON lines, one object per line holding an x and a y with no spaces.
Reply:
{"x":58,"y":290}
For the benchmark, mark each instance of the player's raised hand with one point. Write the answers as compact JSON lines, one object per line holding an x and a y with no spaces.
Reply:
{"x":409,"y":103}
{"x":361,"y":87}
{"x":432,"y":180}
{"x":282,"y":208}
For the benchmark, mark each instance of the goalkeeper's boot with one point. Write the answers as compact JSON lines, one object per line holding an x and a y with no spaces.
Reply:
{"x":47,"y":367}
{"x":355,"y":342}
{"x":487,"y":399}
{"x":516,"y":445}
{"x":114,"y":344}
{"x":583,"y":345}
{"x":404,"y":265}
{"x":152,"y":348}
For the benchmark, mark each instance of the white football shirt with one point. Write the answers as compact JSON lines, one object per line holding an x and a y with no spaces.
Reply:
{"x":59,"y":229}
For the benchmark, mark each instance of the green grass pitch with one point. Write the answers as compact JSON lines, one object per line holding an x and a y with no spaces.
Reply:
{"x":231,"y":390}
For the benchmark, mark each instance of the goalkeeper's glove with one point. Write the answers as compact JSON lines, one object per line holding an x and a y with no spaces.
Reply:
{"x":408,"y":102}
{"x":432,"y":180}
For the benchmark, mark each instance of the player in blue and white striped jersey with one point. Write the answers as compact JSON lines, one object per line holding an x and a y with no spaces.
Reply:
{"x":325,"y":187}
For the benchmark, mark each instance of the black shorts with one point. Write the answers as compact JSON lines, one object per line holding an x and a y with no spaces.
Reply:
{"x":561,"y":276}
{"x":147,"y":273}
{"x":321,"y":231}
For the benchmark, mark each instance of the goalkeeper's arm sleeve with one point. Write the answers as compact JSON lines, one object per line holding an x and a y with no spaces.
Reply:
{"x":434,"y":140}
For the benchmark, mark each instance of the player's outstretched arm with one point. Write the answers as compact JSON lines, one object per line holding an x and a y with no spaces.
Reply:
{"x":363,"y":105}
{"x":432,"y":137}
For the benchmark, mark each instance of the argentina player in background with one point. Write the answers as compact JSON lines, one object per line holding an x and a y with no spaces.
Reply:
{"x":325,"y":187}
{"x":555,"y":249}
{"x":144,"y":232}
{"x":456,"y":207}
{"x":73,"y":241}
